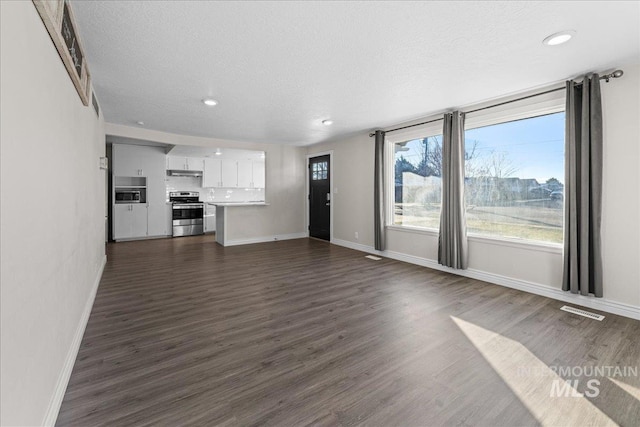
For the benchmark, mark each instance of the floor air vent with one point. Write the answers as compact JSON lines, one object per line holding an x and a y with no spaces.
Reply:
{"x":375,"y":258}
{"x":582,"y":313}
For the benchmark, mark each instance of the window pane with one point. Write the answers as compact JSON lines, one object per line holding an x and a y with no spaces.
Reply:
{"x":418,"y":182}
{"x":514,"y":179}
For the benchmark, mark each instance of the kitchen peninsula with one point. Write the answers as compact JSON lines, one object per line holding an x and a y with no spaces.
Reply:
{"x":222,"y":219}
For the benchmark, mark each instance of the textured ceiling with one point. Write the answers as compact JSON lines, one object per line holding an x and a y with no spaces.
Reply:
{"x":279,"y":68}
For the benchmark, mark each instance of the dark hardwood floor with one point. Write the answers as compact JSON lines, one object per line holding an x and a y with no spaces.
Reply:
{"x":186,"y":332}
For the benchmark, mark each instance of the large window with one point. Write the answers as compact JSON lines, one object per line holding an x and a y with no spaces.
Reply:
{"x":418,"y":182}
{"x":514,"y":173}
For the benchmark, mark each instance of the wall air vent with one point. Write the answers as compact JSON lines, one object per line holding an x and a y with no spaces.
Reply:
{"x":582,"y":313}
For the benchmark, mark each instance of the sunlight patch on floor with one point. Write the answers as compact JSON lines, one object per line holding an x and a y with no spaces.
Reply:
{"x":631,"y":390}
{"x":511,"y":360}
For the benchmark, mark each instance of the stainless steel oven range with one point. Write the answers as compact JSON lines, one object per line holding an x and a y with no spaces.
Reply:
{"x":188,"y":213}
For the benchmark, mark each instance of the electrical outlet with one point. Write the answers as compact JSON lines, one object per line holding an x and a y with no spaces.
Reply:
{"x":357,"y":235}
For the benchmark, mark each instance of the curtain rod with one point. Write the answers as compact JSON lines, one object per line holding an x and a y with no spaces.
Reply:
{"x":616,"y":74}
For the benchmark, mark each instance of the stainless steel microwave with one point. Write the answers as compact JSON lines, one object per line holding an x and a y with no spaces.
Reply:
{"x":127,"y":196}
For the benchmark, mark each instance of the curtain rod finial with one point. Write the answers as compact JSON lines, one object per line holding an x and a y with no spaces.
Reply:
{"x":615,"y":75}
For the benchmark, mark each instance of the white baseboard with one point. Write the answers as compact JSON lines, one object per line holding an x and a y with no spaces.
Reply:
{"x":72,"y":354}
{"x":601,"y":304}
{"x":264,"y":239}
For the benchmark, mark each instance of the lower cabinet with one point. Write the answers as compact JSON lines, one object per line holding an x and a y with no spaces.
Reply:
{"x":157,"y":221}
{"x":130,"y":221}
{"x":209,"y":218}
{"x":169,"y":219}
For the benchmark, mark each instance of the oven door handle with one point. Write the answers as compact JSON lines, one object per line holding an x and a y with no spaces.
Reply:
{"x":188,"y":207}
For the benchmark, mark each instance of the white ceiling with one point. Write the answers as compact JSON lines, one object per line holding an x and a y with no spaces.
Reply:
{"x":279,"y":68}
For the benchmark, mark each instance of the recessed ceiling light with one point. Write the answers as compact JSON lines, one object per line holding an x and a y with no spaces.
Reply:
{"x":558,"y":38}
{"x":218,"y":152}
{"x":210,"y":102}
{"x":327,"y":122}
{"x":140,"y":123}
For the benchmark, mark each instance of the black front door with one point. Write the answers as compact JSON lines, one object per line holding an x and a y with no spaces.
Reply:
{"x":319,"y":197}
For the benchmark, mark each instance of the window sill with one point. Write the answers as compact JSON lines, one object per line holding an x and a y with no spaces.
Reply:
{"x":414,"y":230}
{"x":517,"y":243}
{"x":478,"y":238}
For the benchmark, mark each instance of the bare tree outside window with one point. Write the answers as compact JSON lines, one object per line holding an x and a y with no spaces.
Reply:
{"x":512,"y":187}
{"x":508,"y":190}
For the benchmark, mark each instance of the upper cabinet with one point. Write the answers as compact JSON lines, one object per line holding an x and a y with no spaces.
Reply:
{"x":129,"y":160}
{"x":227,"y":173}
{"x":138,"y":160}
{"x":212,"y":174}
{"x":220,"y":173}
{"x":185,"y":163}
{"x":245,"y":173}
{"x":251,"y":173}
{"x":259,"y":171}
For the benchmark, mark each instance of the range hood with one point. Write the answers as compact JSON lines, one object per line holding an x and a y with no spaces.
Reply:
{"x":174,"y":172}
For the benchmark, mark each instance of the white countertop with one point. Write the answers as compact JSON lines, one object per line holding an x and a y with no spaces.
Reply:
{"x":238,"y":203}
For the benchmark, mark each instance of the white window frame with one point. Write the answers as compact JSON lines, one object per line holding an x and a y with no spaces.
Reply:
{"x":533,"y":107}
{"x":416,"y":132}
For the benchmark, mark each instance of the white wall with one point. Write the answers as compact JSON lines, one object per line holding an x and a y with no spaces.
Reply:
{"x":352,"y":187}
{"x":621,"y":187}
{"x":52,"y":218}
{"x":526,"y":266}
{"x":285,"y":185}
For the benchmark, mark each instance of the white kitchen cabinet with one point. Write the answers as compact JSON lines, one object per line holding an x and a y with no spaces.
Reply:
{"x":185,"y":163}
{"x":209,"y":218}
{"x":130,"y":221}
{"x":258,"y":174}
{"x":245,"y":173}
{"x":157,"y":218}
{"x":220,"y":173}
{"x":251,"y":174}
{"x":227,"y":173}
{"x":148,"y":163}
{"x":130,"y":160}
{"x":195,"y":163}
{"x":229,"y":178}
{"x":176,"y":163}
{"x":212,"y":174}
{"x":169,"y":219}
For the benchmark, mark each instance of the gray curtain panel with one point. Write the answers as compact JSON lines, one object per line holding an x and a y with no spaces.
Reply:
{"x":583,"y":188}
{"x":452,"y":242}
{"x":378,"y":194}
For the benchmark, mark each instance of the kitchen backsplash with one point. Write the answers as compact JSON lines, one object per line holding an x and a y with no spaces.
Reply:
{"x":188,"y":183}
